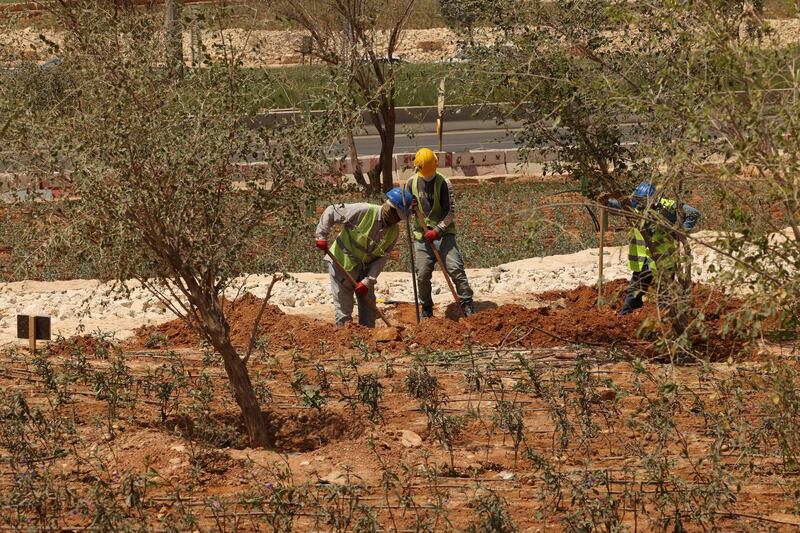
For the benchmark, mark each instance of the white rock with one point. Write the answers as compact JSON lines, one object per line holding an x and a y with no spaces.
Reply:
{"x":409,"y":439}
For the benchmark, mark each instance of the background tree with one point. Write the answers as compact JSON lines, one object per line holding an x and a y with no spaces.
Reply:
{"x":148,"y":160}
{"x":358,"y":39}
{"x":586,"y":78}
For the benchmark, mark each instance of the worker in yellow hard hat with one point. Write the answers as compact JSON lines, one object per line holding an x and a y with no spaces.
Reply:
{"x":435,"y":197}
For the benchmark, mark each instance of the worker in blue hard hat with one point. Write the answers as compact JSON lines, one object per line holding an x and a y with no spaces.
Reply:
{"x":641,"y":261}
{"x":362,"y":249}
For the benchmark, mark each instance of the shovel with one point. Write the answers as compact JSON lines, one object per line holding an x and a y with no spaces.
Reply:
{"x":411,"y":255}
{"x":421,"y":220}
{"x":352,"y":280}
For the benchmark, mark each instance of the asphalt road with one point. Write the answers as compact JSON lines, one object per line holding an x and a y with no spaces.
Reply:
{"x":461,"y":136}
{"x":458,"y":137}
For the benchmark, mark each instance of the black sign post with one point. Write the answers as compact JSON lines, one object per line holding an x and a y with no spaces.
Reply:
{"x":33,"y":328}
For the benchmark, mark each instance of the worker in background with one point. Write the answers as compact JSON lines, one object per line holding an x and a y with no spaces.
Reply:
{"x":434,"y":195}
{"x":641,"y":262}
{"x":362,"y":248}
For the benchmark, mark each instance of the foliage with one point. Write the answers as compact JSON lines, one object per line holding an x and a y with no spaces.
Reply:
{"x":152,"y":163}
{"x":358,"y":40}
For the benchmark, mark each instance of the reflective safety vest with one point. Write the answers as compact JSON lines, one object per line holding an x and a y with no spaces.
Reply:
{"x":436,"y":215}
{"x":639,"y":253}
{"x":354,"y":248}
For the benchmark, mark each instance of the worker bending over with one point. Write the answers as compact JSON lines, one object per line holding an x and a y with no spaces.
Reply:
{"x":362,"y":248}
{"x":434,"y":196}
{"x":640,"y":260}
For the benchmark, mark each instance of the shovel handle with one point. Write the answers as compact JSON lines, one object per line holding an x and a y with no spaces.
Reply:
{"x":352,"y":280}
{"x":421,"y":220}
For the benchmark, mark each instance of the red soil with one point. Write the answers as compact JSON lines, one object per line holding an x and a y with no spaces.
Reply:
{"x":571,"y":317}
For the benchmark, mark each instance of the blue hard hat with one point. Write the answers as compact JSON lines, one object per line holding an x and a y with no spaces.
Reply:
{"x":644,"y":190}
{"x":400,"y":199}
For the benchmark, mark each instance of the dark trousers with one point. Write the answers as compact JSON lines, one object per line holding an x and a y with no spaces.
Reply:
{"x":640,"y":282}
{"x":425,"y":261}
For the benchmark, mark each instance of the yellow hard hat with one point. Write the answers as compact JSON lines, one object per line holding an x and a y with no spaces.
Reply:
{"x":426,"y":162}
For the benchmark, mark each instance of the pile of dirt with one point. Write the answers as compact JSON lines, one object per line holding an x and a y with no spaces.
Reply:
{"x":81,"y":344}
{"x":568,"y":317}
{"x":284,"y":332}
{"x":571,"y":317}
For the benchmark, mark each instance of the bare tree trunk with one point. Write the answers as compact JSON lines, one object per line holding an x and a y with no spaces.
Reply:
{"x":387,"y":148}
{"x":358,"y":170}
{"x":681,"y":300}
{"x":257,"y":428}
{"x":375,"y":174}
{"x":174,"y":38}
{"x":216,"y":329}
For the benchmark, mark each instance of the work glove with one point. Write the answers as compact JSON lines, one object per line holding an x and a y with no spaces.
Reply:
{"x":322,"y":244}
{"x":431,"y":234}
{"x":361,"y":289}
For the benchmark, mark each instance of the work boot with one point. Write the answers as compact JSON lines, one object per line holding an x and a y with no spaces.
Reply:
{"x":631,"y":304}
{"x":427,"y":313}
{"x":469,"y":309}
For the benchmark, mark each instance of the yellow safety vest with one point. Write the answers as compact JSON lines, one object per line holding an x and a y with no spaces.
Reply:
{"x":639,"y":253}
{"x":354,"y":248}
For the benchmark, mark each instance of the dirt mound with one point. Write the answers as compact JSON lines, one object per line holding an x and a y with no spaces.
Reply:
{"x":570,"y":317}
{"x":81,"y":344}
{"x":283,"y":332}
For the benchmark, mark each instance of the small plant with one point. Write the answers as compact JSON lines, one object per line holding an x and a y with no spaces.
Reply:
{"x":104,"y":342}
{"x":261,"y":349}
{"x":493,"y":515}
{"x":419,"y":382}
{"x":280,"y":500}
{"x":308,"y":395}
{"x":261,"y":387}
{"x":425,"y":387}
{"x":370,"y":392}
{"x":585,"y":398}
{"x":114,"y":387}
{"x":534,"y":373}
{"x":165,"y":384}
{"x":155,"y":340}
{"x":508,"y":416}
{"x":76,"y":366}
{"x":211,"y":358}
{"x":57,"y":386}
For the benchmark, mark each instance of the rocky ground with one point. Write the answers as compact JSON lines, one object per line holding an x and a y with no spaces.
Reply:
{"x":282,"y":47}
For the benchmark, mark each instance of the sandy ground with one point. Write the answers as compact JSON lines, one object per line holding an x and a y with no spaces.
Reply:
{"x":89,"y":306}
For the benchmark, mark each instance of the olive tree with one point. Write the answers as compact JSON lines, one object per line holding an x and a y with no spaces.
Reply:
{"x":358,"y":40}
{"x":600,"y":87}
{"x":150,"y":164}
{"x":749,"y":107}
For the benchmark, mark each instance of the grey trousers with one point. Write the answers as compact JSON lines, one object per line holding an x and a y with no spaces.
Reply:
{"x":343,"y":293}
{"x":424,"y":261}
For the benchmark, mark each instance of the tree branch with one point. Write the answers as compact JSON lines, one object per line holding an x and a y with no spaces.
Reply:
{"x":251,"y":344}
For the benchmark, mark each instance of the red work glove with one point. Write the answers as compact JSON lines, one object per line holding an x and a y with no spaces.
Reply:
{"x":361,"y":289}
{"x":431,"y":235}
{"x":322,"y":244}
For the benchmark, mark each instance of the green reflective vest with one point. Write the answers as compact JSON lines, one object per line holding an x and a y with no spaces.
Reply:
{"x":436,"y":215}
{"x":639,"y":253}
{"x":354,"y":248}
